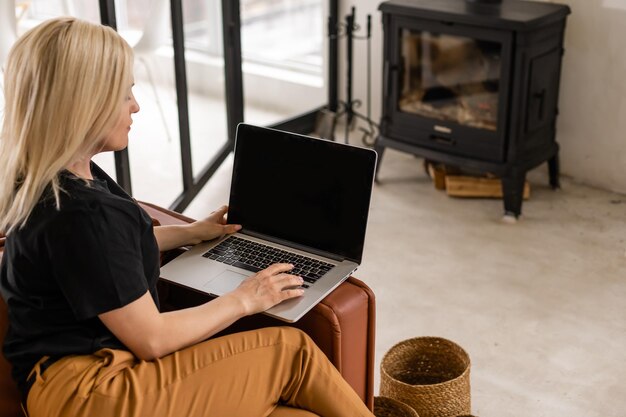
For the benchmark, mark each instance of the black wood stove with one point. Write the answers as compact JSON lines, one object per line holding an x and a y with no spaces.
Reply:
{"x":474,"y":84}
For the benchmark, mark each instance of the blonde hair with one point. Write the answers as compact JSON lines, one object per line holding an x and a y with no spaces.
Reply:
{"x":65,"y":81}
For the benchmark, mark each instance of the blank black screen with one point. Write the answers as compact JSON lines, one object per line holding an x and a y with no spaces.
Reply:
{"x":308,"y":191}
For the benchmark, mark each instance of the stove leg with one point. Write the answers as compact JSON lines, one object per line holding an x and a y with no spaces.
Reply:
{"x":513,"y":192}
{"x":554,"y":172}
{"x":380,"y":150}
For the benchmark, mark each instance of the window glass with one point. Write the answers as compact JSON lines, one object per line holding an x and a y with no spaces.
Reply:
{"x":450,"y":78}
{"x":286,"y":33}
{"x":282,"y":44}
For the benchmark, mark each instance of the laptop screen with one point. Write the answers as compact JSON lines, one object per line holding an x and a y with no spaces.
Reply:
{"x":308,"y":191}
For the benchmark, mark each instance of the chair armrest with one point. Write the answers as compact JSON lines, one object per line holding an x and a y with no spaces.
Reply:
{"x":342,"y":324}
{"x":164,"y":216}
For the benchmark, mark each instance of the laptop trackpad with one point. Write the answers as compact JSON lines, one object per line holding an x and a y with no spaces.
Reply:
{"x":224,"y":282}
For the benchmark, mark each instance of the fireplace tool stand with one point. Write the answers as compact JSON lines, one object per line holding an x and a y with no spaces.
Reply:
{"x":350,"y":105}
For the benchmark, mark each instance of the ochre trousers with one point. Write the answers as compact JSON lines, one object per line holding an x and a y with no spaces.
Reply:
{"x":240,"y":375}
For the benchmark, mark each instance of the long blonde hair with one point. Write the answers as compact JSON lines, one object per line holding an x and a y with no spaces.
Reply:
{"x":65,"y":81}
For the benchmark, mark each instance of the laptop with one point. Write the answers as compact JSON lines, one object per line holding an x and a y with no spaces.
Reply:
{"x":300,"y":200}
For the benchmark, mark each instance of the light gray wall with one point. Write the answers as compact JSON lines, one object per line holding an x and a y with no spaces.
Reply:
{"x":592,"y":121}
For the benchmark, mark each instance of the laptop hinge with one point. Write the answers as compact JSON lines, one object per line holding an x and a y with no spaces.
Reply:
{"x":292,"y":245}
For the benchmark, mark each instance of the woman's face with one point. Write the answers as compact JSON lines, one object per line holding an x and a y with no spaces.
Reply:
{"x":117,"y":139}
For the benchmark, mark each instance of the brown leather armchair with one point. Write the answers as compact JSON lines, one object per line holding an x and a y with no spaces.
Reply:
{"x":342,"y":325}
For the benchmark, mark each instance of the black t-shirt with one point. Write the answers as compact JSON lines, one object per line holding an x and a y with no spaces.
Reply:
{"x":65,"y":267}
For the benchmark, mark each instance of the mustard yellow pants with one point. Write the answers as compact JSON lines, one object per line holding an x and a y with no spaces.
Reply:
{"x":241,"y":375}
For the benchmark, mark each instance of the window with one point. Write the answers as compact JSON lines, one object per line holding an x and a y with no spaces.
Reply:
{"x":283,"y":33}
{"x":283,"y":46}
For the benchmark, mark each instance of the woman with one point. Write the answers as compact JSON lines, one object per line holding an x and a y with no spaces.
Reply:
{"x":80,"y":267}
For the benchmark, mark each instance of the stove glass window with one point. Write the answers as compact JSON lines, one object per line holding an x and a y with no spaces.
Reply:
{"x":450,"y":78}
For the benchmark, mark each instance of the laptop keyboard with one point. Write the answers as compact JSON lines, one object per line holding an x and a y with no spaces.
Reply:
{"x":254,"y":256}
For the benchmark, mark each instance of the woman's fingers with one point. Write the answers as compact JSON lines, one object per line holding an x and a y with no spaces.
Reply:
{"x":219,"y":215}
{"x":289,"y":286}
{"x":293,"y":293}
{"x":222,"y":210}
{"x":231,"y":228}
{"x":287,"y":280}
{"x":269,"y":287}
{"x":278,"y":273}
{"x":276,"y":269}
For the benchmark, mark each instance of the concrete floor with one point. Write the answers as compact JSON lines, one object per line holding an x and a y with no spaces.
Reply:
{"x":540,"y":306}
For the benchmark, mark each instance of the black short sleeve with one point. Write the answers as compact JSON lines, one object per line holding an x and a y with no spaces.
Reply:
{"x":98,"y":256}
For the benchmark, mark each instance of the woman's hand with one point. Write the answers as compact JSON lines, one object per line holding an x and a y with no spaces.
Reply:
{"x":212,"y":227}
{"x":267,"y":288}
{"x":174,"y":236}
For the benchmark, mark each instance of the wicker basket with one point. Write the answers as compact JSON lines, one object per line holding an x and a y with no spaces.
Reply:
{"x":430,"y":374}
{"x":388,"y":407}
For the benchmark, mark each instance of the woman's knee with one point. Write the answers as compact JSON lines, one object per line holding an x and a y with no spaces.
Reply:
{"x":295,"y":336}
{"x":288,"y":337}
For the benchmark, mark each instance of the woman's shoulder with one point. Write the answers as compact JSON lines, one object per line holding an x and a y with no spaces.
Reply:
{"x":79,"y":204}
{"x":82,"y":204}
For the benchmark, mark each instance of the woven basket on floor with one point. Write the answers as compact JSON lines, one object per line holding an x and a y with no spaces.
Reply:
{"x":388,"y":407}
{"x":430,"y":374}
